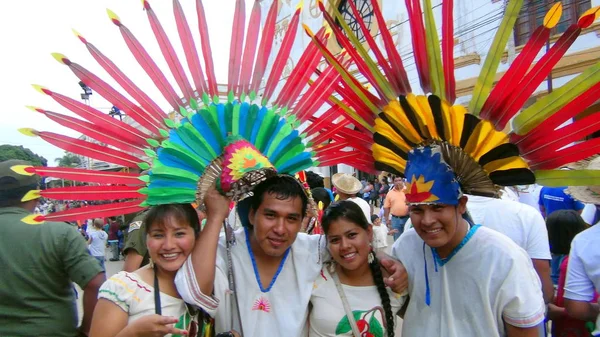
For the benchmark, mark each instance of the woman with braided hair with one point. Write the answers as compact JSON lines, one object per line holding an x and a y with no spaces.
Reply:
{"x":351,"y":281}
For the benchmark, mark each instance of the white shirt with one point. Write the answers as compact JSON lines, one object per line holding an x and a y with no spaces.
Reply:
{"x":489,"y":281}
{"x":583,"y":273}
{"x":281,"y":311}
{"x":98,"y":244}
{"x":136,"y":298}
{"x":380,"y":234}
{"x":328,"y":317}
{"x":531,"y":196}
{"x":520,"y":222}
{"x":588,"y":213}
{"x":364,"y":206}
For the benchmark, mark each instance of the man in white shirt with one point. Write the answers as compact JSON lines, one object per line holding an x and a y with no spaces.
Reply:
{"x":347,"y":188}
{"x":464,"y":279}
{"x":274,"y":266}
{"x":521,"y":223}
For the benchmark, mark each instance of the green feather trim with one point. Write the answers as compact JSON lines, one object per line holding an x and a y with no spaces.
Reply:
{"x":434,"y":58}
{"x":235,"y":120}
{"x":294,"y":151}
{"x":150,"y":153}
{"x":549,"y":104}
{"x":252,"y":95}
{"x":145,"y":178}
{"x":210,"y":117}
{"x":184,"y":155}
{"x":250,"y":120}
{"x":300,"y":166}
{"x":267,"y":128}
{"x":205,"y":100}
{"x":230,"y":97}
{"x":174,"y":173}
{"x":163,"y":133}
{"x":171,"y":124}
{"x":215,"y":99}
{"x":228,"y":118}
{"x":192,"y":138}
{"x":144,"y":166}
{"x":183,"y":111}
{"x":153,"y":142}
{"x":161,"y":196}
{"x":484,"y":84}
{"x":194,"y":104}
{"x":295,"y":142}
{"x":286,"y":129}
{"x":558,"y":178}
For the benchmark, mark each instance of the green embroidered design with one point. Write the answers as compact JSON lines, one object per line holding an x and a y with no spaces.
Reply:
{"x":115,"y":298}
{"x":368,"y":326}
{"x":183,"y":323}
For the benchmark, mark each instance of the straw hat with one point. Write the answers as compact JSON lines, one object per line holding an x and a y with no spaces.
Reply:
{"x":346,"y":183}
{"x":588,"y":194}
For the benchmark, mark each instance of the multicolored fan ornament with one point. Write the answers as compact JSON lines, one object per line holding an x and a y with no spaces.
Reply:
{"x":469,"y":149}
{"x":233,"y":139}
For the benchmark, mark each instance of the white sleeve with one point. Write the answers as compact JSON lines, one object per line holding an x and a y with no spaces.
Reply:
{"x":578,"y":286}
{"x":188,"y":289}
{"x":521,"y":296}
{"x":538,"y":246}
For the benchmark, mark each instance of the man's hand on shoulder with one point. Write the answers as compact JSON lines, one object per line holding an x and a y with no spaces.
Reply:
{"x":394,"y":273}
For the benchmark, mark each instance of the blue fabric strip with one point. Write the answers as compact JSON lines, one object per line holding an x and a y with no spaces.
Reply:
{"x":256,"y":274}
{"x":456,"y":249}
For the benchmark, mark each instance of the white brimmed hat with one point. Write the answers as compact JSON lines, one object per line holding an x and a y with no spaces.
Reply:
{"x":346,"y":183}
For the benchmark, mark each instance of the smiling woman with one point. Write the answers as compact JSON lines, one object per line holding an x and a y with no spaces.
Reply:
{"x":147,"y":300}
{"x":355,"y":272}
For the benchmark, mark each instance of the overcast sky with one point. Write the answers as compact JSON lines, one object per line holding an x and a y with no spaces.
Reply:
{"x":32,"y":29}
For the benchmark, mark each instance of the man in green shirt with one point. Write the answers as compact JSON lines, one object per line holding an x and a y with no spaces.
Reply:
{"x":135,"y":249}
{"x":38,"y":264}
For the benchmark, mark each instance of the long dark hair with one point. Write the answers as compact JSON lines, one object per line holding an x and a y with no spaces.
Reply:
{"x":351,"y":212}
{"x":562,"y":226}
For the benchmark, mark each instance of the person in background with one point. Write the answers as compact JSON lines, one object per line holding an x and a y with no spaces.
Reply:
{"x":380,"y":234}
{"x":554,"y":198}
{"x":395,"y":205}
{"x":113,"y":238}
{"x":347,"y":187}
{"x":383,"y":190}
{"x":563,"y":226}
{"x":135,"y":251}
{"x":97,"y":242}
{"x":38,"y":264}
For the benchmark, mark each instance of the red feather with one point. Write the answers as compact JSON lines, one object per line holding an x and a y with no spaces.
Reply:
{"x":149,"y":66}
{"x":570,"y":110}
{"x":93,"y":131}
{"x":169,"y":53}
{"x":92,"y":193}
{"x":139,"y":95}
{"x":538,"y":73}
{"x":357,"y":103}
{"x":301,"y":73}
{"x":264,"y":50}
{"x":417,"y":29}
{"x":235,"y":47}
{"x":189,"y":48}
{"x":116,"y":98}
{"x":282,"y":56}
{"x":392,"y":52}
{"x":382,"y":62}
{"x":317,"y":124}
{"x":90,"y":176}
{"x":448,"y":49}
{"x":89,"y":149}
{"x":351,"y":50}
{"x":570,"y":154}
{"x":91,"y":212}
{"x":515,"y":73}
{"x":127,"y":132}
{"x":250,"y":48}
{"x":545,"y":146}
{"x":206,"y":50}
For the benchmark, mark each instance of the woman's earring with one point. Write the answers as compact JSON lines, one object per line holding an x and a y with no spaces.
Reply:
{"x":371,"y":257}
{"x":151,"y":263}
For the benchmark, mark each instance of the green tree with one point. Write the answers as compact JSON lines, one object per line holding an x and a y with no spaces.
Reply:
{"x":68,"y":160}
{"x":8,"y":152}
